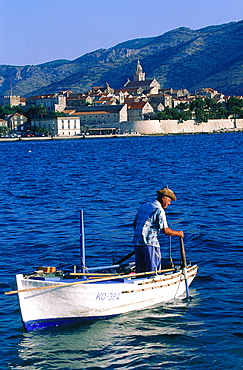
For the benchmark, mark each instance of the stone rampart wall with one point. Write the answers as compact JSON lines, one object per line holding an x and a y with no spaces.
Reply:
{"x":173,"y":127}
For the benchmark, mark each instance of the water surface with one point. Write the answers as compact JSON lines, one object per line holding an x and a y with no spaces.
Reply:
{"x":44,"y":184}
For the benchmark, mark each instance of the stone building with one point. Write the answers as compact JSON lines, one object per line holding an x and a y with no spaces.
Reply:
{"x":14,"y":100}
{"x":17,"y":123}
{"x":59,"y":126}
{"x":105,"y":114}
{"x":74,"y":101}
{"x":161,"y":100}
{"x":53,"y":102}
{"x":139,"y":75}
{"x":3,"y":122}
{"x":137,"y":110}
{"x":3,"y":127}
{"x":139,"y":81}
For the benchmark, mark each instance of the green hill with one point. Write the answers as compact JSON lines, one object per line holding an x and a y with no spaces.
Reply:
{"x":182,"y":58}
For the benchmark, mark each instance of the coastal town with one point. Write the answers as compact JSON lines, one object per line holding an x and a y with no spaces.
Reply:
{"x":137,"y":108}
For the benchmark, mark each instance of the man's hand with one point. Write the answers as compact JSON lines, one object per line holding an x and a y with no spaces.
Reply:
{"x":168,"y":231}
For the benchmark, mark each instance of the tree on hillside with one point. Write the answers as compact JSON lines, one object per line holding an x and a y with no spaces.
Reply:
{"x":42,"y":111}
{"x":185,"y":115}
{"x":5,"y":110}
{"x":201,"y":115}
{"x":235,"y":107}
{"x":3,"y":130}
{"x":55,"y":114}
{"x":31,"y":111}
{"x":168,"y":113}
{"x":183,"y":106}
{"x":197,"y":103}
{"x":184,"y":111}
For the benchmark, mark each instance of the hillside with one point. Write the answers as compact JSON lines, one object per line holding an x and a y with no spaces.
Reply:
{"x":182,"y":58}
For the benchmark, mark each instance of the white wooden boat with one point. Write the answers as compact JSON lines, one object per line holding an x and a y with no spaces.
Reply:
{"x":50,"y":298}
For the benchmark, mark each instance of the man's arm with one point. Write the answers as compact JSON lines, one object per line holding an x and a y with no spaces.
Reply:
{"x":170,"y":232}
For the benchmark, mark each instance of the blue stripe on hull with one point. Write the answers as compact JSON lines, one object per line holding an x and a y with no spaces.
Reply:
{"x":50,"y":323}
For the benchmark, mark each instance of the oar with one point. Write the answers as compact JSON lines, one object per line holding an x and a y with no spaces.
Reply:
{"x":183,"y":266}
{"x":124,"y":258}
{"x":89,"y":281}
{"x":90,"y":274}
{"x":82,"y":245}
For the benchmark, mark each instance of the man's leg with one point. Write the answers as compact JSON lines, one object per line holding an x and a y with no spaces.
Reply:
{"x":152,"y":257}
{"x":139,"y":259}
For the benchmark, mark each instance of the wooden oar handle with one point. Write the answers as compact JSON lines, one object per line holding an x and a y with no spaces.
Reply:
{"x":183,"y":253}
{"x":183,"y":266}
{"x":125,"y":258}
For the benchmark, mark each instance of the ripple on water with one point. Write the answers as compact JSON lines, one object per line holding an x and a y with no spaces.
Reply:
{"x":41,"y":197}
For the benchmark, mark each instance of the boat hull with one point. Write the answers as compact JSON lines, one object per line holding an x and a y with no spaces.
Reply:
{"x":70,"y":304}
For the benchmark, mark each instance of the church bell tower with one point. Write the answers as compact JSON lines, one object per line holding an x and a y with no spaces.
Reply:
{"x":139,"y":74}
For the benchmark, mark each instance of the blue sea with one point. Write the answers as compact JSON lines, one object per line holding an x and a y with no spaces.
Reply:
{"x":44,"y":185}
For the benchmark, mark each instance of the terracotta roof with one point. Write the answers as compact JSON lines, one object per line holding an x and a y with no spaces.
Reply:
{"x":180,"y":99}
{"x":136,"y":105}
{"x":209,"y":89}
{"x":89,"y":113}
{"x":110,"y":102}
{"x":69,"y":111}
{"x":139,"y":83}
{"x":125,"y":89}
{"x":105,"y":98}
{"x":129,"y":100}
{"x":15,"y":114}
{"x":77,"y":96}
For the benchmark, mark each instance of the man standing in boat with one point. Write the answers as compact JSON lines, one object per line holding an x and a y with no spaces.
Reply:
{"x":150,"y":219}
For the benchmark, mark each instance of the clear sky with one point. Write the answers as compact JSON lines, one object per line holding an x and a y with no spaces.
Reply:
{"x":37,"y":31}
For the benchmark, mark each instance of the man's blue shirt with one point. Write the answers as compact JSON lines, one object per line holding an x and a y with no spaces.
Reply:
{"x":148,"y":222}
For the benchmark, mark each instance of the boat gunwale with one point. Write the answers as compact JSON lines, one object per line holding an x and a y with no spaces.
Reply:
{"x":115,"y":279}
